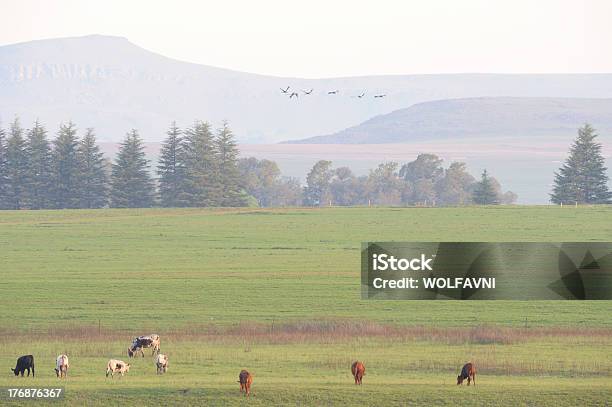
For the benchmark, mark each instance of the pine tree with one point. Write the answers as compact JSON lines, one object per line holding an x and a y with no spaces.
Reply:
{"x":485,"y":193}
{"x":38,"y":193}
{"x":200,"y":158}
{"x":4,"y":179}
{"x":171,"y":170}
{"x":231,"y":192}
{"x":92,"y":169}
{"x":16,"y":163}
{"x":131,"y":183}
{"x":66,"y":176}
{"x":582,"y":178}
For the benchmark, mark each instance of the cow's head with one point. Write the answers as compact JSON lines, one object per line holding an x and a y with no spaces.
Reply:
{"x":15,"y":371}
{"x":130,"y":352}
{"x":57,"y":372}
{"x":127,"y":367}
{"x":459,"y":379}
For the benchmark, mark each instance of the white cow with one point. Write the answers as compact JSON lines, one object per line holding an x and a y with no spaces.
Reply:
{"x":117,"y":366}
{"x":162,"y":363}
{"x":61,"y":366}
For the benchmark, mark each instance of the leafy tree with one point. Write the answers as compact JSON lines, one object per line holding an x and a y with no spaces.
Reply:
{"x":508,"y":198}
{"x":344,"y":187}
{"x":231,"y":193}
{"x":4,"y":177}
{"x":582,"y":178}
{"x":385,"y":187}
{"x":426,"y":166}
{"x":38,"y":191}
{"x":93,"y":173}
{"x":287,"y":192}
{"x":17,"y":167}
{"x":171,"y":170}
{"x":422,"y":173}
{"x":455,"y":188}
{"x":260,"y":179}
{"x":200,"y":158}
{"x":318,"y":182}
{"x":485,"y":192}
{"x":66,"y":171}
{"x":131,"y":183}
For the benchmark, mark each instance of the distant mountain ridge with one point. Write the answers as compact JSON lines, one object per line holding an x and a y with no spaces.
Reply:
{"x":492,"y":117}
{"x":113,"y":85}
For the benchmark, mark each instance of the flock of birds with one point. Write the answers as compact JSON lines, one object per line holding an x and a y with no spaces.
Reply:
{"x":294,"y":94}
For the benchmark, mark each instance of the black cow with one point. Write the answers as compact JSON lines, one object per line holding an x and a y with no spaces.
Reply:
{"x":23,"y":363}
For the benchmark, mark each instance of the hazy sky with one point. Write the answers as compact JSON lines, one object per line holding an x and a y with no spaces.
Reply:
{"x":336,"y":38}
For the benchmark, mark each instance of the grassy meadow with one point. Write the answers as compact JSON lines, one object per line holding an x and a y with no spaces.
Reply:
{"x":278,"y":291}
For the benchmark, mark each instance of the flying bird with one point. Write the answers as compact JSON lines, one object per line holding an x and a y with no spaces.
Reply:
{"x":332,"y":92}
{"x":360,"y":96}
{"x":294,"y":94}
{"x":285,"y":90}
{"x":380,"y":96}
{"x":307,"y":92}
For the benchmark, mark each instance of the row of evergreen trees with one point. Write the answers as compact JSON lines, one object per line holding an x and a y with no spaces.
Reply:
{"x":37,"y":174}
{"x":199,"y":168}
{"x":196,"y":168}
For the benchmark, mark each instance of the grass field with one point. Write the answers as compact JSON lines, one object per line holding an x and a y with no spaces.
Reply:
{"x":277,"y":291}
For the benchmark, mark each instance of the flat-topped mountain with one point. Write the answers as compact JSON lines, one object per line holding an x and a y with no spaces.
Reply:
{"x":113,"y":85}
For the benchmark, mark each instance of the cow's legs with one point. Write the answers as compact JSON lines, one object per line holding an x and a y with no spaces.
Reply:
{"x":469,"y":380}
{"x":474,"y":379}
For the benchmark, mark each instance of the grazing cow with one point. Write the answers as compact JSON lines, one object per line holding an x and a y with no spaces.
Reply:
{"x":245,"y":379}
{"x":358,"y":370}
{"x":23,"y":363}
{"x":468,"y":371}
{"x":162,"y":363}
{"x":117,"y":366}
{"x":148,"y":341}
{"x":61,"y":366}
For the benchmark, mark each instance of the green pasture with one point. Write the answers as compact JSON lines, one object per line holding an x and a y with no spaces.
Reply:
{"x":68,"y":278}
{"x":160,"y":268}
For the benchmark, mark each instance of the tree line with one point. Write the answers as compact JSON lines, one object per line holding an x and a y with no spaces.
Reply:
{"x":199,"y":167}
{"x":422,"y":182}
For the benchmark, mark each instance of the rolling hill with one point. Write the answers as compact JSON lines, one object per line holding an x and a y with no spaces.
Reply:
{"x":113,"y":85}
{"x":492,"y":118}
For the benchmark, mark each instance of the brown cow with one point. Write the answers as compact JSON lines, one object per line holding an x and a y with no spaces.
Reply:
{"x":245,"y":379}
{"x":467,"y":372}
{"x":358,"y":370}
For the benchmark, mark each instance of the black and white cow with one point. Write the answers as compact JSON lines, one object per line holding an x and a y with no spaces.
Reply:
{"x":24,"y":363}
{"x":148,"y":341}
